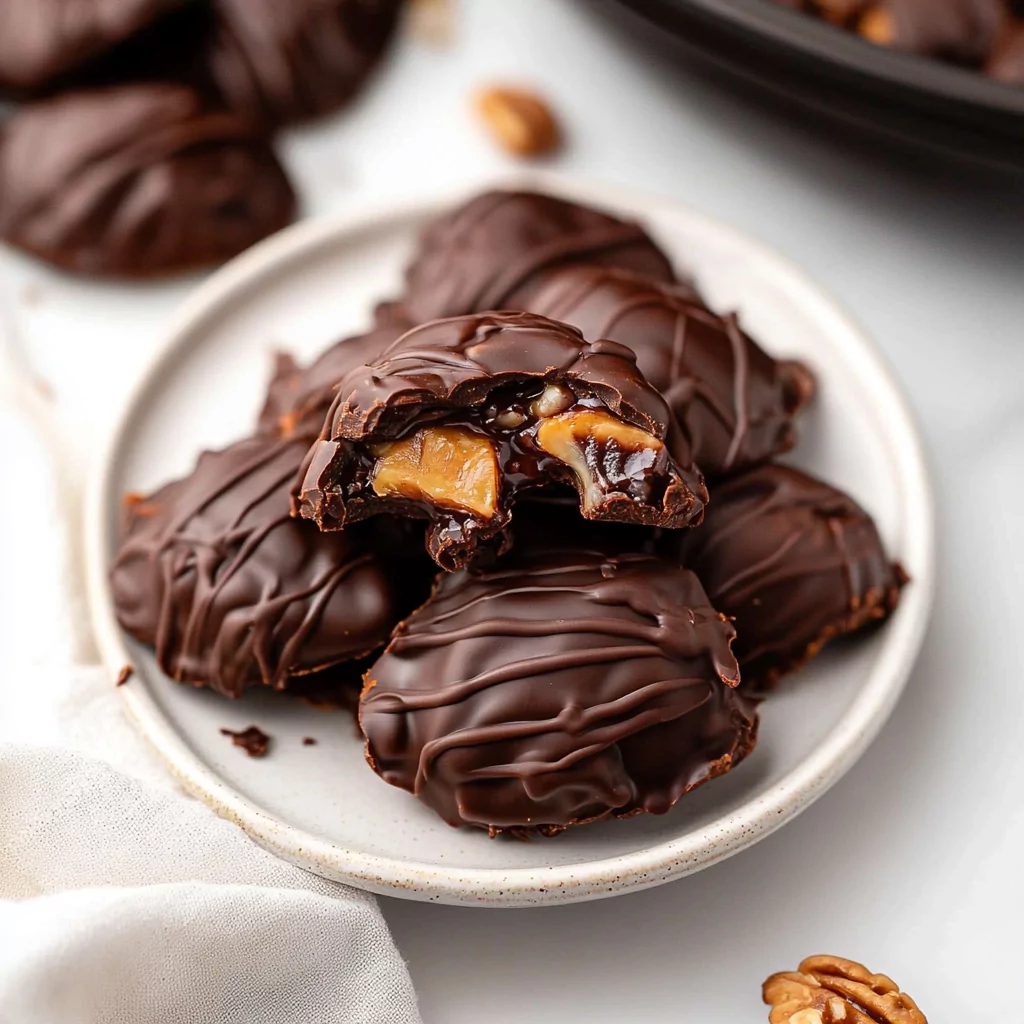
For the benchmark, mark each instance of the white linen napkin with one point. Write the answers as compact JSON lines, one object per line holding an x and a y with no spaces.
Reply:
{"x":122,"y":899}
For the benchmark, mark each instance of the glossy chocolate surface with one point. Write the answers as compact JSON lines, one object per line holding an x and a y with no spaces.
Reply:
{"x":793,"y":560}
{"x":299,"y":397}
{"x":486,"y":254}
{"x":282,"y":61}
{"x":44,"y":40}
{"x":136,"y":181}
{"x":471,"y":373}
{"x":734,"y":402}
{"x":554,"y":692}
{"x":233,"y":592}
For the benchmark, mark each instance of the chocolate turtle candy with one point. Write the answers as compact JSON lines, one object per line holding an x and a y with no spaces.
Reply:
{"x":557,"y":691}
{"x":734,"y":402}
{"x":486,"y":254}
{"x":794,"y":561}
{"x":460,"y":415}
{"x":282,"y":62}
{"x":232,"y":591}
{"x":42,"y":41}
{"x":136,"y":181}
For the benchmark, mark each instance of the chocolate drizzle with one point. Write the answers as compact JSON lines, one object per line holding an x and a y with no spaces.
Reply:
{"x":794,"y":561}
{"x":282,"y":61}
{"x":732,"y":400}
{"x":558,"y":690}
{"x":42,"y":41}
{"x":233,"y":592}
{"x":487,"y":253}
{"x":136,"y":181}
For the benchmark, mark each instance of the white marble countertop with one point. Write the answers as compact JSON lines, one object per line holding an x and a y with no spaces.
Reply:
{"x":912,"y":863}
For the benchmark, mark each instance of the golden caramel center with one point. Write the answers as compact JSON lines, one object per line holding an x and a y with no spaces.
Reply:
{"x":447,"y":466}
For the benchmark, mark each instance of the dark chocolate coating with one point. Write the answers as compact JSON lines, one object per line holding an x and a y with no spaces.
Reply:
{"x":963,"y":31}
{"x":283,"y":61}
{"x":299,"y":398}
{"x":486,"y":254}
{"x":794,"y":561}
{"x":558,"y":691}
{"x":44,"y":40}
{"x":1007,"y":60}
{"x":233,"y":592}
{"x":548,"y":519}
{"x":136,"y":181}
{"x":452,"y":368}
{"x":734,"y":402}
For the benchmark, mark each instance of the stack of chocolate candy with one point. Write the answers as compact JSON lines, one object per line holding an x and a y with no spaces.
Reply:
{"x":987,"y":35}
{"x":543,"y":483}
{"x":144,"y":142}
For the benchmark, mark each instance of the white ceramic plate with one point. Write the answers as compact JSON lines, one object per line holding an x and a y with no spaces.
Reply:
{"x":320,"y":806}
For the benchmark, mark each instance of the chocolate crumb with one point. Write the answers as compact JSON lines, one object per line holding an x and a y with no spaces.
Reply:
{"x":127,"y":671}
{"x":308,"y":741}
{"x":255,"y":742}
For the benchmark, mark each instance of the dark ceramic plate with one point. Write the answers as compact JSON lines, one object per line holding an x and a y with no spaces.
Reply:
{"x":910,"y":98}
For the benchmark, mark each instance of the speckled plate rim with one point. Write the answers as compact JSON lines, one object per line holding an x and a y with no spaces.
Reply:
{"x":520,"y":887}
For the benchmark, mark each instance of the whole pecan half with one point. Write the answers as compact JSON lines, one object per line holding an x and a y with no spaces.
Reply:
{"x":831,"y":990}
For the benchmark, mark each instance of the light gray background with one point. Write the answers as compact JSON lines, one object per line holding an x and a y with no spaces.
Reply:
{"x":913,"y":862}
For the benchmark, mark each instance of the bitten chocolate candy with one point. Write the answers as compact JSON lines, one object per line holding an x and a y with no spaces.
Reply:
{"x":299,"y":398}
{"x":794,"y":561}
{"x":281,"y":61}
{"x":233,"y":592}
{"x":734,"y":402}
{"x":555,"y":692}
{"x":43,"y":40}
{"x":486,"y":253}
{"x":136,"y":181}
{"x":460,"y":415}
{"x":958,"y":30}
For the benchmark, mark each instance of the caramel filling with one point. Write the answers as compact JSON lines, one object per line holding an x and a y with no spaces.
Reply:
{"x":475,"y":465}
{"x":448,"y":466}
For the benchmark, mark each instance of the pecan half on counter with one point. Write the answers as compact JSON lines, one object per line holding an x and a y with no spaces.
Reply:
{"x":831,"y":990}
